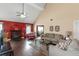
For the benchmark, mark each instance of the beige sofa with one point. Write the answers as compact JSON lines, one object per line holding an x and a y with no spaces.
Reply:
{"x":52,"y":37}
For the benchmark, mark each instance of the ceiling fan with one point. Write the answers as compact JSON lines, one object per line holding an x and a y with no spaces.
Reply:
{"x":22,"y":13}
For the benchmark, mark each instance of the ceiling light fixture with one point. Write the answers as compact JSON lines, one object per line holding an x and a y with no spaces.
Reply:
{"x":22,"y":14}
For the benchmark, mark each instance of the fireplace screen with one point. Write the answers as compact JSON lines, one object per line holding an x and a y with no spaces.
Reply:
{"x":16,"y":34}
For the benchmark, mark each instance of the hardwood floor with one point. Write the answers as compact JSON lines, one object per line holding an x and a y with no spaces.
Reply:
{"x":27,"y":48}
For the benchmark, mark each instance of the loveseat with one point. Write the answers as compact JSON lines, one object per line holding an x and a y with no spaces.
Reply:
{"x":52,"y":37}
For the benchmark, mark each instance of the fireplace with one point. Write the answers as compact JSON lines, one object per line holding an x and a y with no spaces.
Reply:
{"x":16,"y":35}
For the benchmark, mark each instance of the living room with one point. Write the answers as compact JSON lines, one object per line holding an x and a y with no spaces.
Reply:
{"x":50,"y":29}
{"x":17,"y":28}
{"x":65,"y":17}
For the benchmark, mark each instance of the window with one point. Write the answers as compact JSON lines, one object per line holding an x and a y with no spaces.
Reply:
{"x":0,"y":27}
{"x":28,"y":29}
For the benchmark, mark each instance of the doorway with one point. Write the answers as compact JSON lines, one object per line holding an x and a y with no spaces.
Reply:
{"x":76,"y":29}
{"x":40,"y":30}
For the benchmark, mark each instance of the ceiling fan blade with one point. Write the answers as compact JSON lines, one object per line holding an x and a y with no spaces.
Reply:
{"x":18,"y":13}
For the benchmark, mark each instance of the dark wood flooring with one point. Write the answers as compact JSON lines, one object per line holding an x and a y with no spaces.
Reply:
{"x":27,"y":48}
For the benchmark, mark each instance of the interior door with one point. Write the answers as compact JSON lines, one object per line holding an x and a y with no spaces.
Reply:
{"x":40,"y":30}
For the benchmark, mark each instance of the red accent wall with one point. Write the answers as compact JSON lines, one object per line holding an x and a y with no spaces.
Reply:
{"x":9,"y":25}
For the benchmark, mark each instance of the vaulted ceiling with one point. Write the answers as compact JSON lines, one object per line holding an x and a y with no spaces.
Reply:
{"x":32,"y":10}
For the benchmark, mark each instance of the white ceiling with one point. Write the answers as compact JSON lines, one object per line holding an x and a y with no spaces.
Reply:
{"x":32,"y":11}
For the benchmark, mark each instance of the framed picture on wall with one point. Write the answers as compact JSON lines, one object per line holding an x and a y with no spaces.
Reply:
{"x":51,"y":28}
{"x":57,"y":28}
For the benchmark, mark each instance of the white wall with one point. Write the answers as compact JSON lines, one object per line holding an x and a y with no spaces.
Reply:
{"x":62,"y":15}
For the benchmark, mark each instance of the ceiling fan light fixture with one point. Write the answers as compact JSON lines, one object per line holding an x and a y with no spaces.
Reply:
{"x":23,"y":14}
